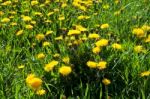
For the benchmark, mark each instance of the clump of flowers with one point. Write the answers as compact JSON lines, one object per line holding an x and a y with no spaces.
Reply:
{"x":138,"y":32}
{"x":33,"y":82}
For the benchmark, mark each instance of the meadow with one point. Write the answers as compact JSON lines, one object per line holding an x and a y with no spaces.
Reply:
{"x":74,"y":49}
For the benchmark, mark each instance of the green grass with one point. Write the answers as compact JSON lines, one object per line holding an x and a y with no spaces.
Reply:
{"x":123,"y":66}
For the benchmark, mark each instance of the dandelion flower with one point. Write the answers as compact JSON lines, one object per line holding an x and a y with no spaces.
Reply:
{"x":104,"y":26}
{"x":102,"y":42}
{"x":147,"y":39}
{"x":96,"y":50}
{"x":29,"y":78}
{"x":101,"y":65}
{"x":138,"y":32}
{"x":106,"y":81}
{"x":26,"y":18}
{"x":40,"y":37}
{"x":65,"y":70}
{"x":35,"y":83}
{"x":80,"y":28}
{"x":117,"y":46}
{"x":35,"y":2}
{"x":145,"y":28}
{"x":21,"y":66}
{"x":40,"y":92}
{"x":5,"y":20}
{"x":49,"y":67}
{"x":20,"y":32}
{"x":66,"y":60}
{"x":56,"y":55}
{"x":74,"y":32}
{"x":93,"y":36}
{"x":28,"y":26}
{"x":145,"y":73}
{"x":91,"y":64}
{"x":59,"y":38}
{"x":40,"y":56}
{"x":138,"y":48}
{"x":46,"y":44}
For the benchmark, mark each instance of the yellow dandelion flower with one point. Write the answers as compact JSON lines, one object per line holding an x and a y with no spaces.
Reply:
{"x":13,"y":23}
{"x":28,"y":26}
{"x":50,"y":13}
{"x":93,"y":36}
{"x":6,"y":3}
{"x":56,"y":10}
{"x":59,"y":38}
{"x":34,"y":2}
{"x":29,"y":78}
{"x":1,"y":13}
{"x":5,"y":20}
{"x":96,"y":50}
{"x":106,"y":6}
{"x":117,"y":46}
{"x":48,"y":33}
{"x":138,"y":48}
{"x":117,"y":1}
{"x":49,"y":67}
{"x":40,"y":92}
{"x":26,"y":18}
{"x":61,"y":18}
{"x":65,"y":70}
{"x":106,"y":81}
{"x":40,"y":37}
{"x":74,"y":32}
{"x":101,"y":65}
{"x":56,"y":55}
{"x":102,"y":42}
{"x":66,"y":60}
{"x":145,"y":73}
{"x":147,"y":39}
{"x":116,"y":13}
{"x":105,"y":26}
{"x":38,"y":14}
{"x":80,"y":28}
{"x":146,"y":28}
{"x":91,"y":64}
{"x":21,"y":66}
{"x":81,"y":17}
{"x":46,"y":44}
{"x":35,"y":83}
{"x":64,"y":5}
{"x":33,"y":22}
{"x":40,"y":56}
{"x":20,"y":32}
{"x":138,"y":32}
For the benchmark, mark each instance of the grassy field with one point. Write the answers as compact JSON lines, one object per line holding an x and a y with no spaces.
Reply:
{"x":74,"y":49}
